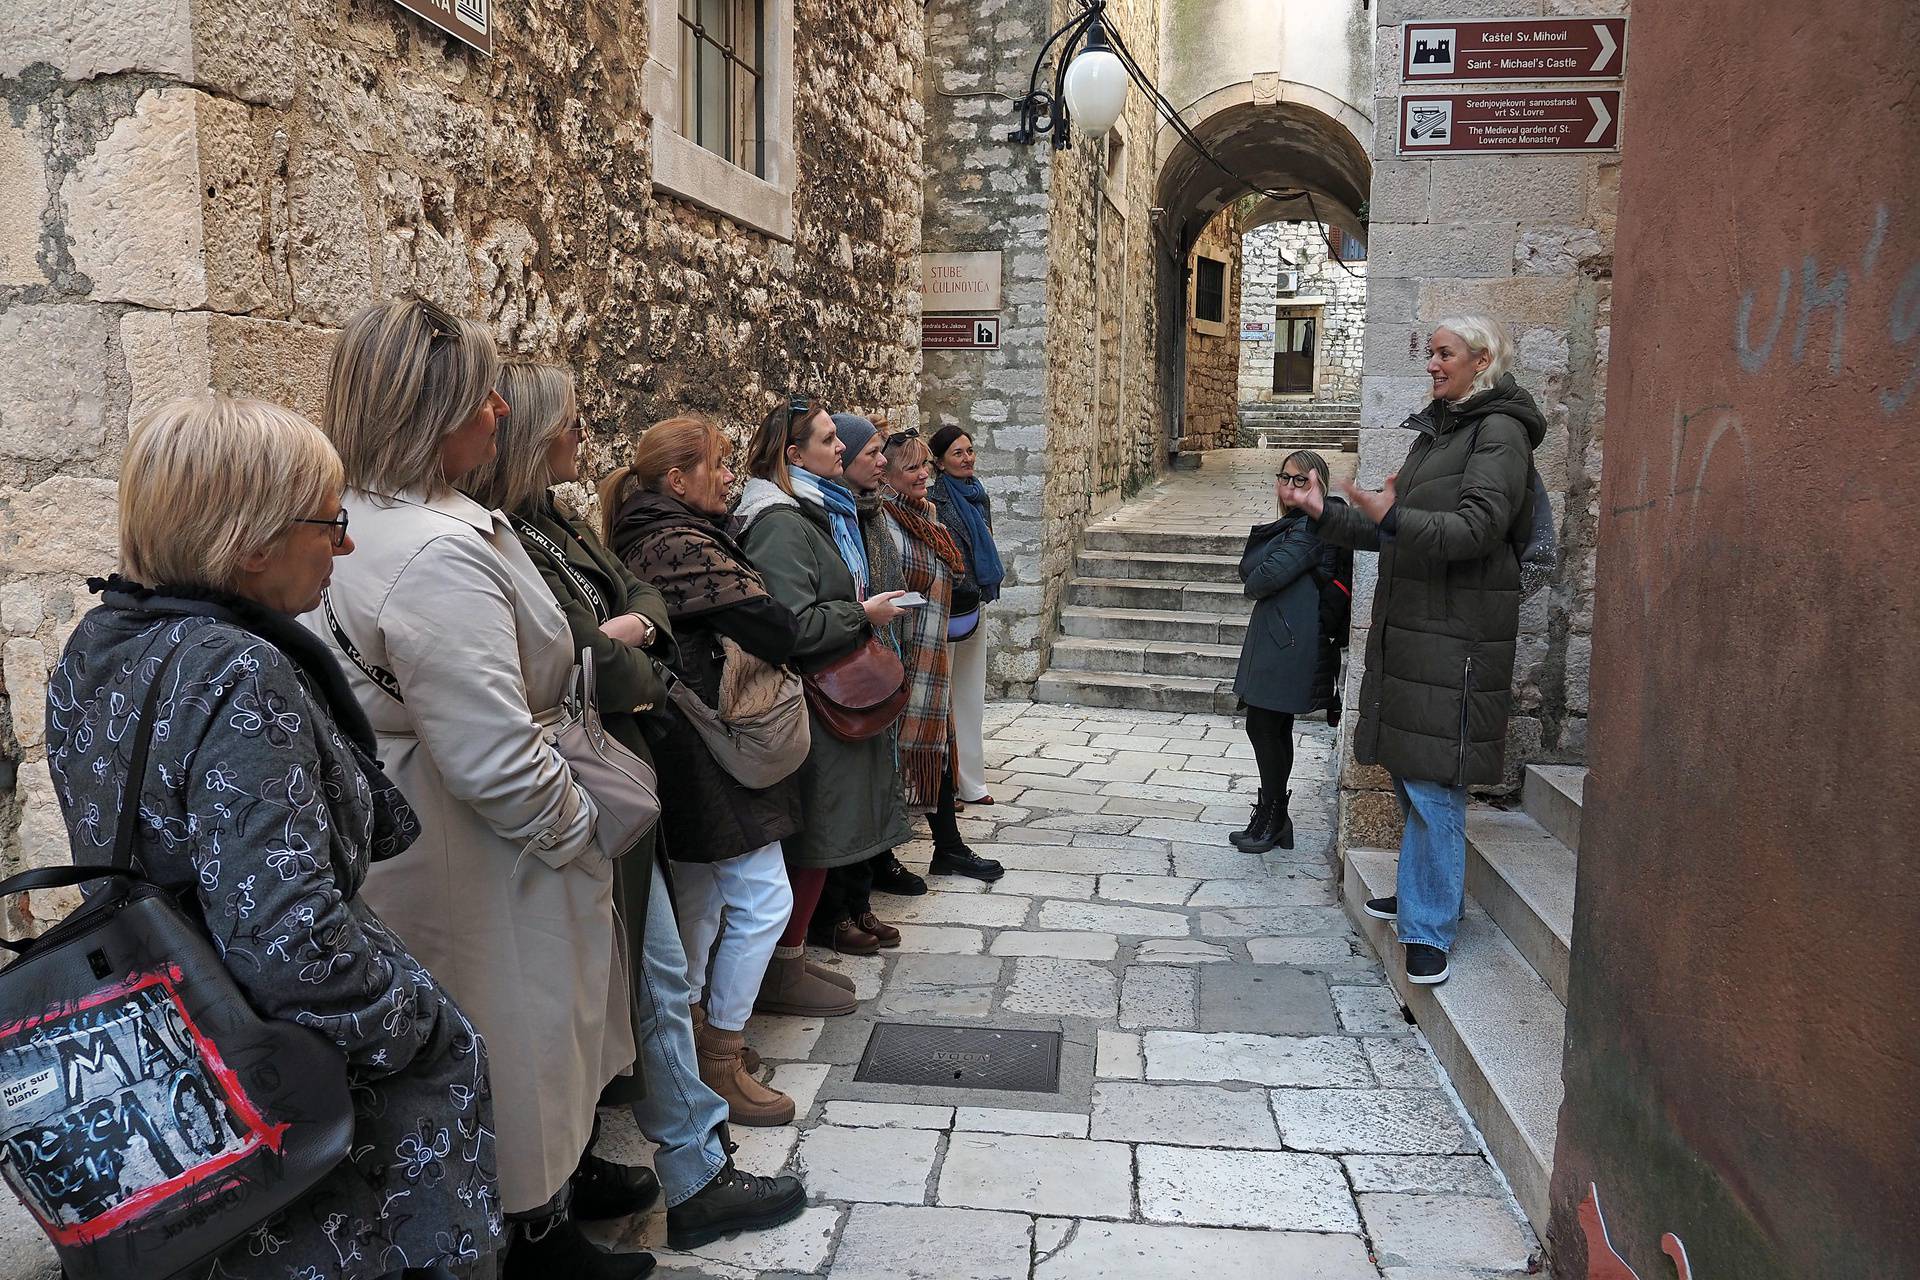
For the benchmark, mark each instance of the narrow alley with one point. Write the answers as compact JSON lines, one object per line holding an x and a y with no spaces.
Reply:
{"x":1238,"y":1092}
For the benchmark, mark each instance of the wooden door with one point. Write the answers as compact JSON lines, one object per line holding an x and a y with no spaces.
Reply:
{"x":1293,"y":354}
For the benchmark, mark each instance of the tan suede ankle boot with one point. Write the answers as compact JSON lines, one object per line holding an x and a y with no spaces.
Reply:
{"x":750,"y":1056}
{"x":791,"y":989}
{"x":748,"y":1101}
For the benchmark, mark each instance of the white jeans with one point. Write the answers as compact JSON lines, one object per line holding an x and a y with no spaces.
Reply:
{"x":969,"y":675}
{"x":744,"y":902}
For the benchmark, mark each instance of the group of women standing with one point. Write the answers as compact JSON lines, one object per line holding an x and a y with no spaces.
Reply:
{"x":360,"y":784}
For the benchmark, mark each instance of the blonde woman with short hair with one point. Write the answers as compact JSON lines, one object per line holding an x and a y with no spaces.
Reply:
{"x":266,"y":807}
{"x":455,"y":648}
{"x":1433,"y":702}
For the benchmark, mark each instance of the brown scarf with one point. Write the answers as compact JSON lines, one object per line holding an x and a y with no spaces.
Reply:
{"x":688,"y":556}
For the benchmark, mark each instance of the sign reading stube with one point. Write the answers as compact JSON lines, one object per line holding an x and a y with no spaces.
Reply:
{"x":466,"y":20}
{"x":1514,"y":49}
{"x":1463,"y":123}
{"x":960,"y":281}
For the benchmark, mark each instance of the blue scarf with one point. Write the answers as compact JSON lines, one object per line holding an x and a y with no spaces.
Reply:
{"x":844,"y":518}
{"x":969,"y":503}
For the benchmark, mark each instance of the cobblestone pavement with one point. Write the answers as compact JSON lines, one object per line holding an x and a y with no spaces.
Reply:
{"x":1239,"y":1090}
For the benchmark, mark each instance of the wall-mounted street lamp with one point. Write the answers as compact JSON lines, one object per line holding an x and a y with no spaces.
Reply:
{"x":1089,"y":86}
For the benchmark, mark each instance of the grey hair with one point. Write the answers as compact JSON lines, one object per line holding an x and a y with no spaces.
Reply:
{"x":541,"y":402}
{"x":1482,"y":334}
{"x":405,"y":374}
{"x":207,"y":482}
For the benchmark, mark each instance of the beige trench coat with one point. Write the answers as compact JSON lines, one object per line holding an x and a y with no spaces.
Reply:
{"x":505,"y":897}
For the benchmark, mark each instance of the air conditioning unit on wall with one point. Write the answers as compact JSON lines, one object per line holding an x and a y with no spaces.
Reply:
{"x":1288,"y":282}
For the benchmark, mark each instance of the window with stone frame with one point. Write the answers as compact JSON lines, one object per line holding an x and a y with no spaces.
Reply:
{"x":721,"y":79}
{"x":719,"y":90}
{"x":1209,"y":290}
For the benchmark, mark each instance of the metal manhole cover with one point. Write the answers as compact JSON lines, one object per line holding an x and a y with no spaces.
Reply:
{"x":962,"y":1058}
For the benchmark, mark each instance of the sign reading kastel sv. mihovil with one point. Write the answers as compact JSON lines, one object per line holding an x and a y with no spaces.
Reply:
{"x":1514,"y":49}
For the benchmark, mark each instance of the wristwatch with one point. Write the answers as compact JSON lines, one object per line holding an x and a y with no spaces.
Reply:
{"x":652,"y":632}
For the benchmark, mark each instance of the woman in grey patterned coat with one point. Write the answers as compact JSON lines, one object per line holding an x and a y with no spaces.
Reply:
{"x":263,"y":807}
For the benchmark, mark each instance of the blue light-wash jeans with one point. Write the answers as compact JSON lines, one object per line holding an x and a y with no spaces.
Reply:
{"x":1432,"y":879}
{"x":679,"y":1114}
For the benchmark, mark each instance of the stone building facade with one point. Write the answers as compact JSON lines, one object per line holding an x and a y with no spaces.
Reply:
{"x":1065,"y":412}
{"x":1322,"y":289}
{"x":197,"y":194}
{"x":1210,"y":412}
{"x":1529,"y":241}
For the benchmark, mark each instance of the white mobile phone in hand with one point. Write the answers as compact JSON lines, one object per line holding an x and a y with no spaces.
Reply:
{"x":911,"y":600}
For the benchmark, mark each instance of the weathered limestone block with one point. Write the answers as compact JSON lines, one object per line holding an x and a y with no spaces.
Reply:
{"x":89,"y":38}
{"x":1517,"y":301}
{"x":245,"y":48}
{"x":327,"y":249}
{"x":53,"y":382}
{"x":23,"y":199}
{"x":1369,"y":820}
{"x":1560,"y":251}
{"x":289,"y":364}
{"x":167,"y":358}
{"x":134,"y":206}
{"x":65,"y":525}
{"x":1441,"y":249}
{"x":1517,"y":187}
{"x":24,"y":663}
{"x":43,"y":843}
{"x":21,"y":608}
{"x":1400,"y":192}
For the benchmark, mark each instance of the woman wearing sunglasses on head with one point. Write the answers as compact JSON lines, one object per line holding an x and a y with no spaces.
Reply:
{"x":1287,"y":667}
{"x":802,"y":533}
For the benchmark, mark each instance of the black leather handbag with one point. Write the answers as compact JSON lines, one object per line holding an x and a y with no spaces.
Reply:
{"x":148,"y":1116}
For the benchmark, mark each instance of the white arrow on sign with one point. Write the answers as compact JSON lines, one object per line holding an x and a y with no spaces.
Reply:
{"x":1602,"y":118}
{"x":1607,"y":46}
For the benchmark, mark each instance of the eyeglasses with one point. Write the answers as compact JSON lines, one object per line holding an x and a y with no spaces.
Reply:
{"x":1293,"y":481}
{"x":339,"y":524}
{"x":899,"y":437}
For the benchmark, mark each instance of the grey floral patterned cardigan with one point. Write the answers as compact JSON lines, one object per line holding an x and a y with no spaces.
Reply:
{"x":262,"y":808}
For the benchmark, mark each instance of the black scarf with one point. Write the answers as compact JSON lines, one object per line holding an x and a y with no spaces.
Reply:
{"x":304,"y":649}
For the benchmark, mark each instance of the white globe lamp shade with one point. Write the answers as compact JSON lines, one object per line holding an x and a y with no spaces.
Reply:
{"x":1095,"y":88}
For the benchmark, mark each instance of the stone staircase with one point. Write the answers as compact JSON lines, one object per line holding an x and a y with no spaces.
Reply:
{"x":1323,"y":426}
{"x":1152,"y":619}
{"x":1498,"y":1023}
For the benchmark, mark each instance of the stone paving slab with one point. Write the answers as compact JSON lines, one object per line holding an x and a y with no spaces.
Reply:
{"x":1239,"y":1094}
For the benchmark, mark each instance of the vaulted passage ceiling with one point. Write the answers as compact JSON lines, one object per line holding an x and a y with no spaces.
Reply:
{"x":1283,"y":146}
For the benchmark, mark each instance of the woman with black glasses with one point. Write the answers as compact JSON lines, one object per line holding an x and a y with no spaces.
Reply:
{"x":1287,"y":667}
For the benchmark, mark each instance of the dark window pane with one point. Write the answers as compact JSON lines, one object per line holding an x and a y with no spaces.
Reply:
{"x":1210,"y":290}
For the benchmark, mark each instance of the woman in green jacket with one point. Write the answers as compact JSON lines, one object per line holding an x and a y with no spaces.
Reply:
{"x":624,"y":622}
{"x":803,"y":535}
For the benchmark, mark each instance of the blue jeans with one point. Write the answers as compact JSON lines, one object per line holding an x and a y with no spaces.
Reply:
{"x":679,"y":1114}
{"x":1432,"y":879}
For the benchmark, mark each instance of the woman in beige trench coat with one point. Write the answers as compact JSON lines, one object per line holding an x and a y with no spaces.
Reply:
{"x":453,"y":643}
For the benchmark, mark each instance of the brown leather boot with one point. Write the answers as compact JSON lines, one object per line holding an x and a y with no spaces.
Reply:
{"x":849,"y":939}
{"x":748,"y":1101}
{"x":885,"y":934}
{"x":790,"y":989}
{"x":750,"y":1056}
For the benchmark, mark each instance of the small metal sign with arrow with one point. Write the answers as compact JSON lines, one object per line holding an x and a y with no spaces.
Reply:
{"x":1437,"y":52}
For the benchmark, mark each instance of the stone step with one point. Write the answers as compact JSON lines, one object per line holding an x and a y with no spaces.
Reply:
{"x":1137,"y":593}
{"x":1280,"y":410}
{"x":1159,"y":566}
{"x":1494,"y":1025}
{"x":1147,"y":537}
{"x":1523,"y":878}
{"x":1286,"y":442}
{"x":1152,"y":624}
{"x":1552,"y":797}
{"x":1139,"y":692}
{"x":1147,"y":657}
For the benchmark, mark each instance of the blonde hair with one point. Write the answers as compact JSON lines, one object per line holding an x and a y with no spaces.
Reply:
{"x":405,"y":374}
{"x":906,"y":453}
{"x":1482,"y":334}
{"x":207,"y":482}
{"x":682,"y":442}
{"x":541,"y":401}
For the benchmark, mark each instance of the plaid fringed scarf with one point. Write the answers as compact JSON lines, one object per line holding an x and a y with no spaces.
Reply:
{"x":930,"y":559}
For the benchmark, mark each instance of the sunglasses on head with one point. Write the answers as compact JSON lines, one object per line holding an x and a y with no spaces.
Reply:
{"x":898,"y":437}
{"x":438,"y":318}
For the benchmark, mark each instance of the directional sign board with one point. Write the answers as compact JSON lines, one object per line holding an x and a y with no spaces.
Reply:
{"x":959,"y":333}
{"x":1514,"y":49}
{"x":1440,"y":124}
{"x":466,"y":19}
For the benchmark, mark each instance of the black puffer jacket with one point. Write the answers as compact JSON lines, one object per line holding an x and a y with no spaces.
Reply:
{"x":705,"y":814}
{"x":1285,"y":663}
{"x":1439,"y":677}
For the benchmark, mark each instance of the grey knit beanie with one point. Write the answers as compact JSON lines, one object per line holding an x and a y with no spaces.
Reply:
{"x":855,"y":431}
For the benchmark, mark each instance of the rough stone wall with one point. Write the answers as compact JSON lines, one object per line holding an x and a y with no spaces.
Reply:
{"x":1212,"y":409}
{"x":1033,"y":404}
{"x":1339,"y":294}
{"x":198,"y":198}
{"x":1529,"y":241}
